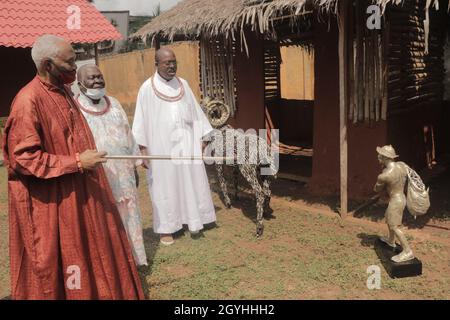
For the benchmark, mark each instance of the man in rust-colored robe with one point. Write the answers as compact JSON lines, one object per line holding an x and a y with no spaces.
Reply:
{"x":67,"y":240}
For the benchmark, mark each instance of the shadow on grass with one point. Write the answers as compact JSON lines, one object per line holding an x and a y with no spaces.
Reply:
{"x":245,"y":201}
{"x":280,"y":188}
{"x":247,"y":204}
{"x":152,"y":244}
{"x":368,"y":240}
{"x":201,"y":233}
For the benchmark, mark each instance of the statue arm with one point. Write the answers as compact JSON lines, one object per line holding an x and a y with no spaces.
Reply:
{"x":381,"y":182}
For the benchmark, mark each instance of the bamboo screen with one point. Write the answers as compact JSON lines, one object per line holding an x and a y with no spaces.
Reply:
{"x":415,"y":77}
{"x":272,"y":61}
{"x":217,"y":77}
{"x":366,"y":68}
{"x":389,"y":69}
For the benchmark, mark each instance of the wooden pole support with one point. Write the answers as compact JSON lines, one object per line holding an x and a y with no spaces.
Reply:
{"x":343,"y":85}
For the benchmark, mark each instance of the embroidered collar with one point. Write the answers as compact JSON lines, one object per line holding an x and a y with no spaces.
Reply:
{"x":88,"y":106}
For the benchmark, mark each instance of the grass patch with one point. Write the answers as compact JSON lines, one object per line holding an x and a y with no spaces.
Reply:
{"x":300,"y":256}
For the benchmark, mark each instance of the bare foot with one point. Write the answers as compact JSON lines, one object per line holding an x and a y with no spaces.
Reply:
{"x":403,"y":256}
{"x":386,"y":240}
{"x":166,"y":239}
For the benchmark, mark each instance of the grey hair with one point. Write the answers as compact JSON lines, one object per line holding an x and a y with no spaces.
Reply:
{"x":45,"y":47}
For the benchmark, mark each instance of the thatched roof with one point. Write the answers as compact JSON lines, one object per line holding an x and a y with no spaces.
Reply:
{"x":226,"y":17}
{"x":214,"y":17}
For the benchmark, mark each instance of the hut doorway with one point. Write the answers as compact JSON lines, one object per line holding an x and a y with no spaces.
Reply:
{"x":289,"y":105}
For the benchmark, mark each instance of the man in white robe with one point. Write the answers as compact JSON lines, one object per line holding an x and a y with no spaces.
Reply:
{"x":112,"y":133}
{"x":169,"y":121}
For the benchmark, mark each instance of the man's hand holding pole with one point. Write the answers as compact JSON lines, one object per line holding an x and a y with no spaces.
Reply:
{"x":91,"y":159}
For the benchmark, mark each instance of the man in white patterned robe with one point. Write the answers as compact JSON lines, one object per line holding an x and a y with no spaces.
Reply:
{"x":112,"y":133}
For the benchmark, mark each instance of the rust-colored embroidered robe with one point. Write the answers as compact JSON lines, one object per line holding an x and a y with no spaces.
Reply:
{"x":67,"y":240}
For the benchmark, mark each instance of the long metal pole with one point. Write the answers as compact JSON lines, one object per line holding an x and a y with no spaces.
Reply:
{"x":167,"y":158}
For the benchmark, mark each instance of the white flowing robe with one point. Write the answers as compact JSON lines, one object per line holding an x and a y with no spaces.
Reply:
{"x":112,"y":134}
{"x":179,"y":190}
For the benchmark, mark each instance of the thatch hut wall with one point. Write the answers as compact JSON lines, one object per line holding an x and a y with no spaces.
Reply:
{"x":416,"y":79}
{"x":362,"y":139}
{"x":324,"y":179}
{"x":422,"y":105}
{"x":250,"y":85}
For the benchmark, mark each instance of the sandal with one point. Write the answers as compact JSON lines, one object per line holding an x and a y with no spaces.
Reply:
{"x":167,"y":242}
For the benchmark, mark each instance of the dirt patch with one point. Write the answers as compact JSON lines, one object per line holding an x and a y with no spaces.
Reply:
{"x":306,"y":252}
{"x":325,"y":292}
{"x":179,"y":271}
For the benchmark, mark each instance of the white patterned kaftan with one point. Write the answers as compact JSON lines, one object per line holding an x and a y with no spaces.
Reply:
{"x":112,"y":134}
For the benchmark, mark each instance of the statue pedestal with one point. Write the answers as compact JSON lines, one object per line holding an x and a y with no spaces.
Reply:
{"x":411,"y":268}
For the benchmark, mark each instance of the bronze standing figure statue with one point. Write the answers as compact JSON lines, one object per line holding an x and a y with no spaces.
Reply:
{"x":393,"y":179}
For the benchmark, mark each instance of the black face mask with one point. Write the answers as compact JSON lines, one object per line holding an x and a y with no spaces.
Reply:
{"x":64,"y":77}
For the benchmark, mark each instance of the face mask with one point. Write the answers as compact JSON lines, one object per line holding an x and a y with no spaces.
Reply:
{"x":95,"y":94}
{"x":64,"y":77}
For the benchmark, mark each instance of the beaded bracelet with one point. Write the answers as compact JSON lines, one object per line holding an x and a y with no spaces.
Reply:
{"x":80,"y":166}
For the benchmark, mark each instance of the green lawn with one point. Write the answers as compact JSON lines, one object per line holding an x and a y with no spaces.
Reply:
{"x":301,"y":255}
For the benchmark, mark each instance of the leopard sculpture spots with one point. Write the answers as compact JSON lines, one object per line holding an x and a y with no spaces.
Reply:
{"x":251,"y":154}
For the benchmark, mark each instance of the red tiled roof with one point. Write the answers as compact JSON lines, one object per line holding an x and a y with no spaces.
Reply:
{"x":22,"y":21}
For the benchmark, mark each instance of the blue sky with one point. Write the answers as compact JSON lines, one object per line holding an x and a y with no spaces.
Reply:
{"x":136,"y":7}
